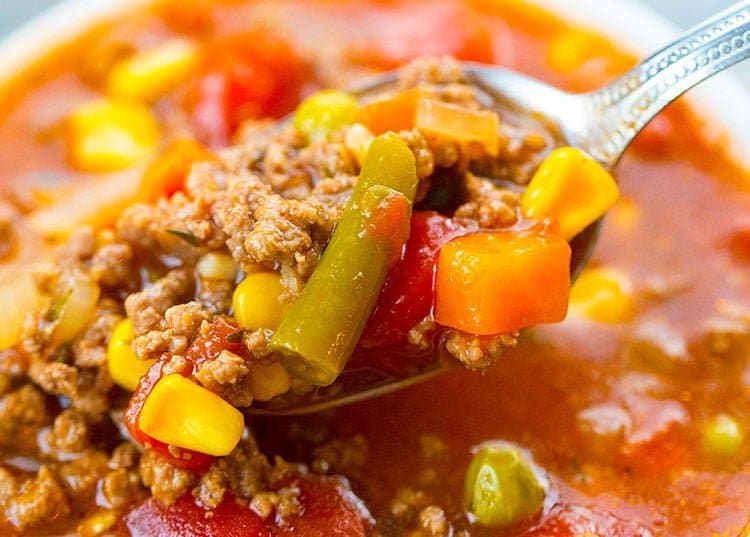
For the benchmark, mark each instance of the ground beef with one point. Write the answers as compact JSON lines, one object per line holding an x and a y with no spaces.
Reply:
{"x":90,"y":349}
{"x":70,"y":432}
{"x":120,"y":487}
{"x":490,"y":205}
{"x":112,"y":265}
{"x":22,"y":412}
{"x":38,"y":500}
{"x":166,"y":482}
{"x":146,"y":309}
{"x":478,"y":352}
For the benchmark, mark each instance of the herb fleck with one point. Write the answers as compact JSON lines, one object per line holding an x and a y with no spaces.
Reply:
{"x":57,"y":305}
{"x":235,"y":338}
{"x":184,"y":235}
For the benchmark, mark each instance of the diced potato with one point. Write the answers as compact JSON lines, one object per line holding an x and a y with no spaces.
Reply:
{"x":19,"y":296}
{"x":571,"y":188}
{"x":153,"y":73}
{"x":183,"y":414}
{"x":217,"y":266}
{"x":108,"y":135}
{"x":73,"y":306}
{"x":257,"y":303}
{"x":357,"y":141}
{"x":125,"y":368}
{"x":269,"y":379}
{"x":97,"y":204}
{"x":603,"y":295}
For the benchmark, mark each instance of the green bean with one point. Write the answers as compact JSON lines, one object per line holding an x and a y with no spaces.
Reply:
{"x":322,"y":328}
{"x":501,"y":488}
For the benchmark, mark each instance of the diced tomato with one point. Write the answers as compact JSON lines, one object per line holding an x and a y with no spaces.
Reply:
{"x":222,"y":334}
{"x":252,"y":75}
{"x":403,"y":33}
{"x":577,"y":521}
{"x":657,"y":442}
{"x":408,"y":293}
{"x":328,"y":510}
{"x":186,"y":519}
{"x":208,"y":347}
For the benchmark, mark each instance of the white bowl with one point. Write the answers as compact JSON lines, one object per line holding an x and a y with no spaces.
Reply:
{"x":724,"y":102}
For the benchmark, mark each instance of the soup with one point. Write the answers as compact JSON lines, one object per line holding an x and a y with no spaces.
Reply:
{"x":163,"y":246}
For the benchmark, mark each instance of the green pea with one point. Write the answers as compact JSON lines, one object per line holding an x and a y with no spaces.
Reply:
{"x":325,"y":112}
{"x":722,"y":436}
{"x":501,"y":488}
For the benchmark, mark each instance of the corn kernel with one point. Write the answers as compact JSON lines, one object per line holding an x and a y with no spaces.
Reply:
{"x":216,"y":266}
{"x":19,"y":296}
{"x":153,"y":73}
{"x":125,"y":368}
{"x":603,"y":295}
{"x":722,"y":436}
{"x":109,"y":135}
{"x":572,"y":188}
{"x":98,"y":523}
{"x":73,"y":306}
{"x":269,"y":379}
{"x":183,"y":414}
{"x":571,"y":49}
{"x":257,"y":303}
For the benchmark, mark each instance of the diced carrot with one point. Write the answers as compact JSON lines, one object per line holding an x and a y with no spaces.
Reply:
{"x":499,"y":282}
{"x":394,"y":113}
{"x":459,"y":123}
{"x":166,"y":175}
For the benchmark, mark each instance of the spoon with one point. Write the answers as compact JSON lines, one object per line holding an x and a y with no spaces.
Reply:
{"x":602,"y":123}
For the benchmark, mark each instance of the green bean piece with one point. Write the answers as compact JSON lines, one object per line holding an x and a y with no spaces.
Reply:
{"x":388,"y":162}
{"x":325,"y":112}
{"x":321,"y":329}
{"x":501,"y":488}
{"x":722,"y":436}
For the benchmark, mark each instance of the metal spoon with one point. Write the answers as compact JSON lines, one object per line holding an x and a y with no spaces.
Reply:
{"x":603,"y":123}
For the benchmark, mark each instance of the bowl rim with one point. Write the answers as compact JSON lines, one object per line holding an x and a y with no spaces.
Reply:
{"x":723,"y":103}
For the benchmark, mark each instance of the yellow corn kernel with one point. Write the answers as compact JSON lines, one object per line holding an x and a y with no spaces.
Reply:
{"x":257,"y":303}
{"x":216,"y":266}
{"x":73,"y":306}
{"x":269,"y":379}
{"x":108,"y":135}
{"x":570,"y":49}
{"x":572,"y":188}
{"x":183,"y":414}
{"x":153,"y":73}
{"x":18,"y":297}
{"x":98,"y":523}
{"x":125,"y":368}
{"x":604,"y":295}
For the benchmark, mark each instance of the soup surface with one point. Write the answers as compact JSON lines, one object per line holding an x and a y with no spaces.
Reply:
{"x":635,"y":410}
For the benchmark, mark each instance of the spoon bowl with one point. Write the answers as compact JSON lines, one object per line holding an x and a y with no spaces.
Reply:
{"x":602,"y":123}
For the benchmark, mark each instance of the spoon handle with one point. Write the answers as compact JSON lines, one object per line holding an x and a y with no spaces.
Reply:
{"x":617,"y":112}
